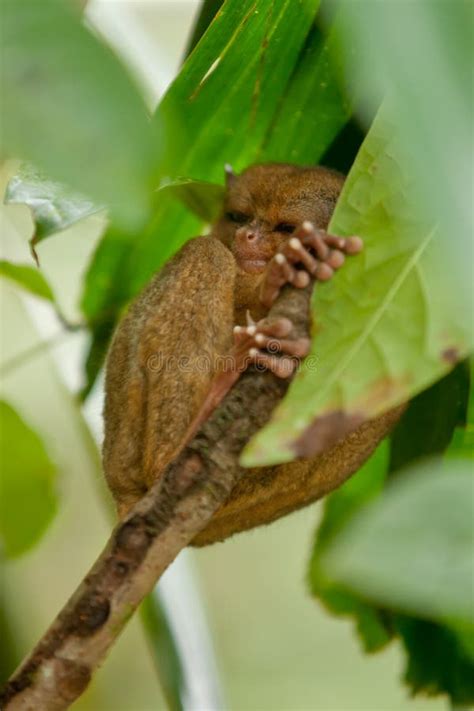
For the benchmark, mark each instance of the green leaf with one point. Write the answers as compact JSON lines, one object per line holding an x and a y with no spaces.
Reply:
{"x":169,"y":665}
{"x":462,"y":444}
{"x":28,"y":501}
{"x":314,"y":108}
{"x":207,"y":12}
{"x":339,"y":507}
{"x":413,"y":548}
{"x":71,"y":109}
{"x":391,"y":323}
{"x":426,"y":428}
{"x":227,"y":91}
{"x":428,"y":425}
{"x":29,"y":278}
{"x":427,"y":66}
{"x":202,"y":198}
{"x":438,"y":660}
{"x":53,"y":206}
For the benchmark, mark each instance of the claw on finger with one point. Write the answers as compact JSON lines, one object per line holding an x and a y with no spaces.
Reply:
{"x":250,"y":321}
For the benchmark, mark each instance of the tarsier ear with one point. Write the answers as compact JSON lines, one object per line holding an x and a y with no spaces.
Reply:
{"x":229,"y":174}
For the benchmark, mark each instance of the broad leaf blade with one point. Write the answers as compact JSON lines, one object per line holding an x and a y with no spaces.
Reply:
{"x":413,"y":548}
{"x":29,"y":278}
{"x":439,"y":659}
{"x":71,"y":109}
{"x":53,"y":206}
{"x":462,"y":443}
{"x":314,"y":108}
{"x":339,"y":507}
{"x":390,"y":323}
{"x":442,"y":665}
{"x":202,"y":198}
{"x":430,"y":421}
{"x":427,"y":64}
{"x":28,"y":500}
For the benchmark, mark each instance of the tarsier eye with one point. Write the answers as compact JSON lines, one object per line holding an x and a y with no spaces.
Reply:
{"x":285,"y":227}
{"x":237,"y":217}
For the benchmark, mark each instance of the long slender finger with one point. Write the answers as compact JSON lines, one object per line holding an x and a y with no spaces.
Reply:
{"x":314,"y":238}
{"x":280,"y":272}
{"x":281,"y":366}
{"x":298,"y":253}
{"x":349,"y":245}
{"x":278,"y":328}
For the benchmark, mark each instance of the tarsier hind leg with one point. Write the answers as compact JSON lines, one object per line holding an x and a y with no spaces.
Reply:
{"x":161,"y":364}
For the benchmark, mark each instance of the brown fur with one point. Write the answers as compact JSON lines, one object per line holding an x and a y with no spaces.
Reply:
{"x":270,"y":194}
{"x":188,"y":311}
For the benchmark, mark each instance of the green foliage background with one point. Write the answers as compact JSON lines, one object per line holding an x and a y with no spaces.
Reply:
{"x":297,"y":82}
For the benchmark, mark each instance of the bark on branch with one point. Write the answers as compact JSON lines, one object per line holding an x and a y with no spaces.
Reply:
{"x":141,"y":548}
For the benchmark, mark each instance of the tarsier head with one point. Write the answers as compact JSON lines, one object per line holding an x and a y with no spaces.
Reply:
{"x":265,"y":204}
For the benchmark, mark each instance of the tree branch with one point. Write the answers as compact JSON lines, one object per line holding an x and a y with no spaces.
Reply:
{"x":140,"y":548}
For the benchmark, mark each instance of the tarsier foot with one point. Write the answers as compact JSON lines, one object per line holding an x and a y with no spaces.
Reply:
{"x":310,"y":252}
{"x":264,"y":344}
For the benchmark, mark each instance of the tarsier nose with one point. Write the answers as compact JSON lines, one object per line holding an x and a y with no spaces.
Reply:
{"x":248,"y":235}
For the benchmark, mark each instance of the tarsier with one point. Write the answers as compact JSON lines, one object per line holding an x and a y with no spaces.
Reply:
{"x":207,"y":308}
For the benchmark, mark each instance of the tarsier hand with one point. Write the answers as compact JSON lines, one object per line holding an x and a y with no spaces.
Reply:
{"x":265,"y":345}
{"x":309,"y":254}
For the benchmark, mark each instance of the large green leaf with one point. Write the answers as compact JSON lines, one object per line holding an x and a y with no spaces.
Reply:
{"x":70,"y":108}
{"x":53,"y":206}
{"x":462,"y":443}
{"x":169,"y":665}
{"x":413,"y":549}
{"x":204,"y":199}
{"x":29,"y":278}
{"x":426,"y":428}
{"x":427,"y":64}
{"x":28,"y":500}
{"x":439,"y":658}
{"x":430,"y":421}
{"x":387,"y":326}
{"x":339,"y":507}
{"x":314,"y":108}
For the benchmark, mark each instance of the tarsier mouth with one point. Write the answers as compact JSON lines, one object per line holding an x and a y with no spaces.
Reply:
{"x":251,"y":266}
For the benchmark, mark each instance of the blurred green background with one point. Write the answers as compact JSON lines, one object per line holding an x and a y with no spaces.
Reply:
{"x":276,"y":648}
